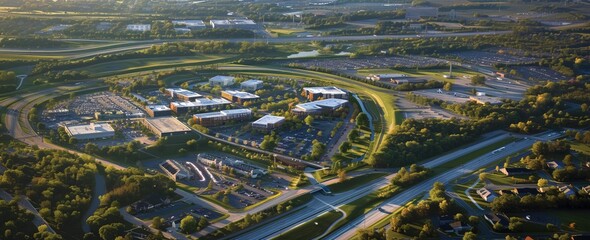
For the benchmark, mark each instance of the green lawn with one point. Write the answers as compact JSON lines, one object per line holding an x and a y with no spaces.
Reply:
{"x":470,"y":156}
{"x":580,"y":147}
{"x":501,"y":179}
{"x":578,"y":216}
{"x":459,"y":189}
{"x":309,"y":230}
{"x":352,"y":183}
{"x":143,"y":64}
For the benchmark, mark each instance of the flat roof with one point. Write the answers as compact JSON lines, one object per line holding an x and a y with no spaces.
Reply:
{"x":222,"y":113}
{"x":268,"y":119}
{"x":391,"y":75}
{"x":324,"y":90}
{"x":222,"y":78}
{"x":92,"y":128}
{"x":486,"y":99}
{"x":233,"y":22}
{"x":316,"y":105}
{"x":167,"y":124}
{"x":252,"y":82}
{"x":183,"y":92}
{"x":240,"y":94}
{"x":158,"y":108}
{"x":202,"y":102}
{"x":190,"y":23}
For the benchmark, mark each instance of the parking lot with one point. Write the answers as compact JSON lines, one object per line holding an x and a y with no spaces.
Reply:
{"x":176,"y":211}
{"x":490,"y":58}
{"x":340,"y":64}
{"x":293,"y":142}
{"x":539,"y":73}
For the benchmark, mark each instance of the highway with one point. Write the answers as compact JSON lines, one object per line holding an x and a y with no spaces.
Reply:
{"x":348,"y":231}
{"x":135,"y":45}
{"x":321,"y":203}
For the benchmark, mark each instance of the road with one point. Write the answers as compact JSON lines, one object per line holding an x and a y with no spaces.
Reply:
{"x":315,"y":208}
{"x":135,"y":45}
{"x":349,"y":230}
{"x":19,"y":106}
{"x":100,"y":188}
{"x":24,"y":203}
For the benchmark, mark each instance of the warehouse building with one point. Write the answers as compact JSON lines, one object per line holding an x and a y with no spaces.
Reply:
{"x":239,"y":166}
{"x":190,"y":24}
{"x":221,"y":117}
{"x":326,"y":106}
{"x":166,"y":126}
{"x":222,"y":81}
{"x":245,"y":24}
{"x":90,"y":131}
{"x":268,"y":122}
{"x":200,"y":104}
{"x":238,"y":96}
{"x":315,"y":93}
{"x":158,"y":110}
{"x":182,"y":94}
{"x":252,"y":84}
{"x":139,"y":27}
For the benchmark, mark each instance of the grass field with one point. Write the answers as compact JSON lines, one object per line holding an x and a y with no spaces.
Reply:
{"x":352,"y":183}
{"x":578,"y":216}
{"x":459,"y":189}
{"x":142,"y":64}
{"x":501,"y":179}
{"x":580,"y":147}
{"x":309,"y":230}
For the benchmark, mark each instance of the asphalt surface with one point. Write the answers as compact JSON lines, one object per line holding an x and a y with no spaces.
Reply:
{"x":316,"y":207}
{"x":135,"y":45}
{"x":100,"y":188}
{"x":349,"y":230}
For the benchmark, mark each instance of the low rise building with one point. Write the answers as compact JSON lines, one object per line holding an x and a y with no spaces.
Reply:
{"x":326,"y":106}
{"x":190,"y":24}
{"x":244,"y":24}
{"x":386,"y":77}
{"x":90,"y":131}
{"x":200,"y":104}
{"x":222,"y":81}
{"x":238,"y":96}
{"x":315,"y":93}
{"x":139,"y":27}
{"x":408,"y":80}
{"x":174,"y":170}
{"x":182,"y":94}
{"x":567,"y":190}
{"x":239,"y":166}
{"x":158,"y":110}
{"x":221,"y":117}
{"x":515,"y":171}
{"x":252,"y":85}
{"x":486,"y":194}
{"x":166,"y":126}
{"x":268,"y":122}
{"x":586,"y":189}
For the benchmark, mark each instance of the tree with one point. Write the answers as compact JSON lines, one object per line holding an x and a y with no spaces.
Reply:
{"x":459,"y":217}
{"x":111,"y":231}
{"x":188,"y":224}
{"x":210,"y":185}
{"x":474,"y":220}
{"x":362,"y":120}
{"x":353,"y":135}
{"x":344,"y":147}
{"x":483,"y":176}
{"x":157,"y":222}
{"x":567,"y":160}
{"x":469,"y":236}
{"x":342,"y":175}
{"x":448,"y":86}
{"x":542,"y":182}
{"x":478,"y":80}
{"x":515,"y":224}
{"x":309,"y":120}
{"x":539,"y":148}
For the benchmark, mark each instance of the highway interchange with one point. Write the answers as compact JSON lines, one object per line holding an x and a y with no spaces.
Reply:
{"x":18,"y":107}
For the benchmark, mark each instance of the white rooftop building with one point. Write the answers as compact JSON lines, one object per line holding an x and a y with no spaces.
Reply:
{"x":182,"y":94}
{"x":198,"y":104}
{"x":313,"y":93}
{"x":139,"y":27}
{"x":90,"y":131}
{"x":238,"y":96}
{"x":320,"y":106}
{"x":191,"y":24}
{"x":222,"y":80}
{"x":252,"y":84}
{"x":246,"y":24}
{"x":268,"y":122}
{"x":221,"y":117}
